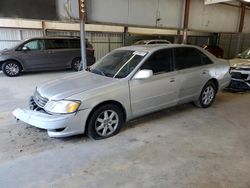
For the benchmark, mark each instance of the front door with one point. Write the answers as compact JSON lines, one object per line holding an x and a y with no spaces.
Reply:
{"x":160,"y":90}
{"x":33,"y":55}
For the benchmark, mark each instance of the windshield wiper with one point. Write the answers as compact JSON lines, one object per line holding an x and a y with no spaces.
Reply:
{"x":98,"y":71}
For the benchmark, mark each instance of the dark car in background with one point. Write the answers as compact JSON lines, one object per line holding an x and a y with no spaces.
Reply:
{"x":45,"y":53}
{"x":215,"y":50}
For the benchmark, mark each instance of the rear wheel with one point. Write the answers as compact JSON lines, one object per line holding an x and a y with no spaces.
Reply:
{"x":105,"y":122}
{"x":76,"y":64}
{"x":207,"y":95}
{"x":11,"y":68}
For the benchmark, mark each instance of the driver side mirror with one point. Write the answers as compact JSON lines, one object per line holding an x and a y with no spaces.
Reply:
{"x":143,"y":74}
{"x":25,"y":48}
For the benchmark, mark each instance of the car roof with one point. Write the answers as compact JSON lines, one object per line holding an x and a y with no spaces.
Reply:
{"x":56,"y":37}
{"x":53,"y":37}
{"x":157,"y":40}
{"x":154,"y":47}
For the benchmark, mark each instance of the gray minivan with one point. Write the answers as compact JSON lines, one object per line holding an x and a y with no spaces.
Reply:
{"x":44,"y":53}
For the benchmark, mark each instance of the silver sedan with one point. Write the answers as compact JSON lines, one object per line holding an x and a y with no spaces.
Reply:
{"x":126,"y":83}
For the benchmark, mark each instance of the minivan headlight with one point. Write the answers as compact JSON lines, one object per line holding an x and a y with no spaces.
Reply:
{"x":62,"y":107}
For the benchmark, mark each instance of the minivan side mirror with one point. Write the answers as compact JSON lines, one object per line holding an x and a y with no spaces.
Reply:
{"x":25,"y":48}
{"x":143,"y":74}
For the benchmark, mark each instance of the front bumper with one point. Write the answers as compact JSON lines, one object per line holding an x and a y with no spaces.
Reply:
{"x":240,"y":79}
{"x":56,"y":125}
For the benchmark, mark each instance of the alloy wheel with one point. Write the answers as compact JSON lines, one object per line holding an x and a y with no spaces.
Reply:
{"x":208,"y":95}
{"x":106,"y":123}
{"x":12,"y":69}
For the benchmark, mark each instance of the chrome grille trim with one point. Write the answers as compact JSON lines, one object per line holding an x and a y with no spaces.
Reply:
{"x":39,"y":99}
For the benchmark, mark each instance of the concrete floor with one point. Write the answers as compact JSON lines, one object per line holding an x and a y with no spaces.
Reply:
{"x":179,"y":147}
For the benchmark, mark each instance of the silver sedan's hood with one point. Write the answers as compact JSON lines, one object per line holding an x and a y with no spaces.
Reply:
{"x":70,"y":85}
{"x":237,"y":62}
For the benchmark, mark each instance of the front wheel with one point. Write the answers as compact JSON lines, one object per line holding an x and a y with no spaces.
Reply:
{"x":11,"y":68}
{"x":76,"y":64}
{"x":207,"y":96}
{"x":105,"y":122}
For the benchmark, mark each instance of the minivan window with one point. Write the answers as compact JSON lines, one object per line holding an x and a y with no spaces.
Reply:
{"x":74,"y":43}
{"x":56,"y":44}
{"x":159,"y":62}
{"x":187,"y":57}
{"x":35,"y":45}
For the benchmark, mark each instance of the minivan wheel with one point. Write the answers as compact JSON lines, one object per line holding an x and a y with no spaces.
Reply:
{"x":105,"y":122}
{"x":76,"y":64}
{"x":11,"y":68}
{"x":207,"y":96}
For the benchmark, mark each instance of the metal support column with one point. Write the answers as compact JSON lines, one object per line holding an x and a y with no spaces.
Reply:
{"x":185,"y":23}
{"x":241,"y":26}
{"x":82,"y":34}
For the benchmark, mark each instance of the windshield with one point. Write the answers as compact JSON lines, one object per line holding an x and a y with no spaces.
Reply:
{"x":118,"y":64}
{"x":245,"y":54}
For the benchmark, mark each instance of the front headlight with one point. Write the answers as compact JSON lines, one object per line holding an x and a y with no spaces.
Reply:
{"x":62,"y":107}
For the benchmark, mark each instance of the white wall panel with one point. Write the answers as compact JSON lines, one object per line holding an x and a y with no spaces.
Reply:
{"x":31,"y":33}
{"x":170,"y":13}
{"x":112,"y":11}
{"x":9,"y":38}
{"x":246,"y":28}
{"x":136,"y":12}
{"x":9,"y":34}
{"x":216,"y":18}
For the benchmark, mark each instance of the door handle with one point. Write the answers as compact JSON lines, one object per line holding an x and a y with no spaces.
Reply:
{"x":172,"y":79}
{"x":204,"y":71}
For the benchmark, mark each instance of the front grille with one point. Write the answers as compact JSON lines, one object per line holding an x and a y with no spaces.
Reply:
{"x":238,"y":75}
{"x":239,"y":85}
{"x":40,"y":100}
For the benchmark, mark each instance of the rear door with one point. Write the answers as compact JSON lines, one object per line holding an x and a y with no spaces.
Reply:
{"x":192,"y":67}
{"x":160,"y":90}
{"x":34,"y":57}
{"x":60,"y":53}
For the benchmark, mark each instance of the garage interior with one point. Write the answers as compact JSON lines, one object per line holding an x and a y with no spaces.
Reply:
{"x":179,"y":147}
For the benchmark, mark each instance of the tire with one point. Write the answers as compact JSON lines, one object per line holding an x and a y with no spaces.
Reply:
{"x":76,"y":64}
{"x":207,"y":96}
{"x":106,"y":121}
{"x":11,"y":68}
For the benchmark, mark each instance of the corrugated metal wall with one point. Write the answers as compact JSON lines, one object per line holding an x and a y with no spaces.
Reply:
{"x":11,"y":37}
{"x":102,"y":42}
{"x":231,"y":46}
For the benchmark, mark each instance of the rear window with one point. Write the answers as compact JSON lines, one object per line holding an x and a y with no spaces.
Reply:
{"x":74,"y":43}
{"x":189,"y":57}
{"x":56,"y":43}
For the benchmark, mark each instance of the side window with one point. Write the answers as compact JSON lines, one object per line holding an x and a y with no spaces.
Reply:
{"x":74,"y":43}
{"x":186,"y":57}
{"x":205,"y":59}
{"x":57,"y":44}
{"x":152,"y":42}
{"x":159,"y":62}
{"x":35,"y":45}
